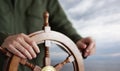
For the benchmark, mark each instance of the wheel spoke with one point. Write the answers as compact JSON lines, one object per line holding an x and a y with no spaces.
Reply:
{"x":47,"y":53}
{"x":30,"y":65}
{"x":67,"y":60}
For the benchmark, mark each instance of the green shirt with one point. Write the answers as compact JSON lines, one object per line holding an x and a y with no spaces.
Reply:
{"x":26,"y":16}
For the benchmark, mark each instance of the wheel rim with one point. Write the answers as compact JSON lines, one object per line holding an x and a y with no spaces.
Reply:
{"x":70,"y":47}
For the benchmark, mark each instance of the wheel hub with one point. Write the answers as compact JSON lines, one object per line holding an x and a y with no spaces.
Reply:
{"x":48,"y":68}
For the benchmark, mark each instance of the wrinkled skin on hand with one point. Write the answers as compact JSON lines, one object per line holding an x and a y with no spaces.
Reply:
{"x":86,"y":46}
{"x":21,"y":45}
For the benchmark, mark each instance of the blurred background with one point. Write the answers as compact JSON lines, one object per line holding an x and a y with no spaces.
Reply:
{"x":99,"y":19}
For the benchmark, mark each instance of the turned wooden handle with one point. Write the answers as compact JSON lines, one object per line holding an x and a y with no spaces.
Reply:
{"x":46,"y":19}
{"x":7,"y":53}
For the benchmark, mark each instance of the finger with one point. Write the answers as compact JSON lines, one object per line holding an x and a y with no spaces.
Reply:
{"x":32,"y":43}
{"x":35,"y":47}
{"x":90,"y":47}
{"x":88,"y":39}
{"x":13,"y":50}
{"x":90,"y":53}
{"x":28,"y":47}
{"x":93,"y":50}
{"x":23,"y":50}
{"x":81,"y":45}
{"x":90,"y":50}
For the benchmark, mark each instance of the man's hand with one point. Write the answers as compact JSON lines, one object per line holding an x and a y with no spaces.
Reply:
{"x":21,"y":45}
{"x":86,"y":46}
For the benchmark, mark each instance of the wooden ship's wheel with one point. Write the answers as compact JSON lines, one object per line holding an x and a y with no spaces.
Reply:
{"x":47,"y":36}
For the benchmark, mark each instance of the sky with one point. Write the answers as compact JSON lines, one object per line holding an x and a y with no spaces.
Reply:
{"x":94,"y":17}
{"x":99,"y":19}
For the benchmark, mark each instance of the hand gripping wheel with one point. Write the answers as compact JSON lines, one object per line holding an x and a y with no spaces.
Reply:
{"x":47,"y":37}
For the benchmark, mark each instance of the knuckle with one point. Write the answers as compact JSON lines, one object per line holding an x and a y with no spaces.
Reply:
{"x":13,"y":42}
{"x":89,"y":38}
{"x":9,"y":45}
{"x":18,"y":38}
{"x":21,"y":34}
{"x":31,"y":41}
{"x":29,"y":48}
{"x":24,"y":50}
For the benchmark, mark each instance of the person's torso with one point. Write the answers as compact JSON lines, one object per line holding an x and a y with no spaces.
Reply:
{"x":14,"y":16}
{"x":22,"y":16}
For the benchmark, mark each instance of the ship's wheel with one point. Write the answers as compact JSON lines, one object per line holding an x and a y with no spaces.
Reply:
{"x":48,"y":37}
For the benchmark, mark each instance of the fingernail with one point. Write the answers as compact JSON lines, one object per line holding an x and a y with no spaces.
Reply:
{"x":87,"y":50}
{"x":85,"y":46}
{"x":34,"y":56}
{"x":30,"y":58}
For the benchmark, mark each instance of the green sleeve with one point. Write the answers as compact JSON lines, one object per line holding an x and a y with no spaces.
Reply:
{"x":3,"y":35}
{"x":59,"y":21}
